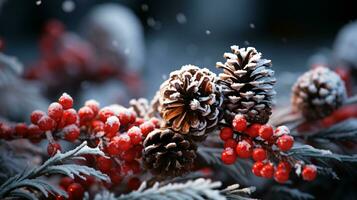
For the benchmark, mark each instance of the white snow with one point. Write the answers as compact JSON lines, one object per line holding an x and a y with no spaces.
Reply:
{"x":181,"y":18}
{"x":112,"y":120}
{"x":208,"y":32}
{"x":68,"y":6}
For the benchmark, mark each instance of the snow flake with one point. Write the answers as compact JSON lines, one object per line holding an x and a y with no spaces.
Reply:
{"x":181,"y":18}
{"x":68,"y":6}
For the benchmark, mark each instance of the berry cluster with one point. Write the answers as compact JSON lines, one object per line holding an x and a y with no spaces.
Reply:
{"x":116,"y":130}
{"x":264,"y":144}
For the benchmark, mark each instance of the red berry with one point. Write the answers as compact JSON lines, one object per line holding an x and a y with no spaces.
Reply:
{"x":284,"y":165}
{"x":75,"y":191}
{"x":55,"y":111}
{"x":267,"y":170}
{"x":112,"y":125}
{"x":70,"y":116}
{"x":239,"y":123}
{"x":155,"y":121}
{"x":253,"y":130}
{"x":6,"y":131}
{"x":104,"y":164}
{"x":124,"y":142}
{"x":52,"y":148}
{"x":139,"y":121}
{"x":309,"y":172}
{"x":34,"y":132}
{"x":132,"y":167}
{"x":94,"y":105}
{"x":21,"y":129}
{"x":65,"y":182}
{"x":59,"y":197}
{"x":126,"y":117}
{"x":281,"y":175}
{"x":36,"y":115}
{"x":226,"y":133}
{"x":259,"y":154}
{"x":85,"y":114}
{"x":146,"y":128}
{"x":97,"y":126}
{"x":104,"y":113}
{"x":285,"y":142}
{"x":257,"y":167}
{"x":230,"y":143}
{"x":135,"y":135}
{"x":66,"y":101}
{"x":129,"y":155}
{"x":281,"y":130}
{"x":113,"y":147}
{"x":134,"y":183}
{"x":71,"y":132}
{"x":266,"y":131}
{"x":46,"y":123}
{"x":228,"y":156}
{"x":115,"y":177}
{"x":244,"y":149}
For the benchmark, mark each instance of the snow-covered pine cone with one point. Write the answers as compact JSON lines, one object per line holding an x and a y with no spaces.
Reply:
{"x":247,"y":85}
{"x":317,"y":93}
{"x":190,"y":101}
{"x":168,"y":153}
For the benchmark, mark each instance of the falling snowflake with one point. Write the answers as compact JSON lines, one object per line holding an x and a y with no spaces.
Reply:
{"x":151,"y":22}
{"x":115,"y":43}
{"x":246,"y":43}
{"x":68,"y":6}
{"x":144,"y":7}
{"x":181,"y":18}
{"x":38,"y":2}
{"x":208,"y":32}
{"x":251,"y":25}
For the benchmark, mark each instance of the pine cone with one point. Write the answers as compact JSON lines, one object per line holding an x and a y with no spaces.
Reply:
{"x":168,"y":153}
{"x":140,"y":107}
{"x":190,"y":101}
{"x":317,"y":93}
{"x":247,"y":85}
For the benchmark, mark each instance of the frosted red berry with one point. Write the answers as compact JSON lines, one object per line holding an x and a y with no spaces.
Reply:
{"x":124,"y":142}
{"x":146,"y":128}
{"x":155,"y":121}
{"x":226,"y":133}
{"x":281,"y":175}
{"x":239,"y":123}
{"x":285,"y":142}
{"x":21,"y":129}
{"x":65,"y":182}
{"x":70,"y":116}
{"x":34,"y":131}
{"x":229,"y":156}
{"x":253,"y":130}
{"x":75,"y":191}
{"x":266,"y":131}
{"x":85,"y":114}
{"x":115,"y":177}
{"x":230,"y":143}
{"x":46,"y":123}
{"x":267,"y":170}
{"x":281,"y":130}
{"x":55,"y":111}
{"x":71,"y":132}
{"x":135,"y":135}
{"x":284,"y":165}
{"x":125,"y":117}
{"x":104,"y":113}
{"x":97,"y":126}
{"x":112,"y":125}
{"x":104,"y":164}
{"x":52,"y":148}
{"x":257,"y":167}
{"x":113,"y":148}
{"x":94,"y":105}
{"x":244,"y":149}
{"x":309,"y":172}
{"x":259,"y":154}
{"x":129,"y":155}
{"x":36,"y":115}
{"x":66,"y":101}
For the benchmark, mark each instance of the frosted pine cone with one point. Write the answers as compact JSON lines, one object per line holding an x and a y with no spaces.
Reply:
{"x":168,"y":153}
{"x":190,"y":101}
{"x":317,"y":93}
{"x":247,"y":85}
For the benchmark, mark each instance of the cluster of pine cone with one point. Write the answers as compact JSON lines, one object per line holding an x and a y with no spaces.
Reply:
{"x":194,"y":100}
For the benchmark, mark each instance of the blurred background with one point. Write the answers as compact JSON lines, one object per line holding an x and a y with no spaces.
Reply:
{"x":115,"y":50}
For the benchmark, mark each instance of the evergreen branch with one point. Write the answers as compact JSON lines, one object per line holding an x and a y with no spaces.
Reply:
{"x":292,"y":193}
{"x":240,"y":170}
{"x":31,"y":178}
{"x":199,"y":189}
